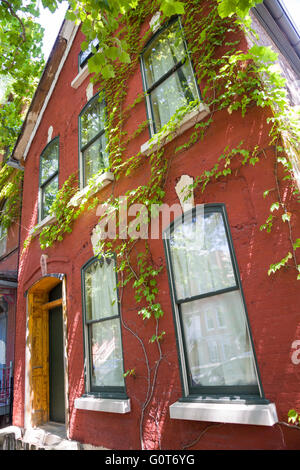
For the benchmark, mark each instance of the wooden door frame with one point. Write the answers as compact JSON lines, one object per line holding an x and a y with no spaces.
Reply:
{"x":37,"y":295}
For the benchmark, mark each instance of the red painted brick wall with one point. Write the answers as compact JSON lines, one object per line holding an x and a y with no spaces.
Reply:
{"x":272,"y":302}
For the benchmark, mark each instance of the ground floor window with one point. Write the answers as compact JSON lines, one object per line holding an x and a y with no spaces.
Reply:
{"x":102,"y":328}
{"x":215,"y":345}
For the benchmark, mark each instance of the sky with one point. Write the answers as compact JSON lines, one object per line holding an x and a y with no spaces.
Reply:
{"x":293,"y":9}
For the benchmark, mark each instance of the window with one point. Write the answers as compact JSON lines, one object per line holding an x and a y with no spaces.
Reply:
{"x":48,"y":177}
{"x":216,"y":359}
{"x":92,"y":139}
{"x":84,"y":56}
{"x":3,"y":232}
{"x":3,"y":332}
{"x":104,"y":358}
{"x":168,"y":75}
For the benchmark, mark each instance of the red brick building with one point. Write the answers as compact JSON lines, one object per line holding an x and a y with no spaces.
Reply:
{"x":225,"y":357}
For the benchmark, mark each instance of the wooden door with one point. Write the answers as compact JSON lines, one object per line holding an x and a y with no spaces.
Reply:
{"x":38,"y":331}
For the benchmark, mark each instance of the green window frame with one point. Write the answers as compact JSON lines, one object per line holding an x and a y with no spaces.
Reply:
{"x":92,"y":140}
{"x":168,"y":76}
{"x":84,"y":56}
{"x":48,"y":177}
{"x":217,"y":358}
{"x":103,"y":350}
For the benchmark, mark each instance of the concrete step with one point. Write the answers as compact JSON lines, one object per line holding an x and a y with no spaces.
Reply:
{"x":51,"y":436}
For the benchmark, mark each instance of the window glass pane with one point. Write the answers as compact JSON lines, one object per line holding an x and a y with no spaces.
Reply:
{"x":220,"y":356}
{"x":3,"y":339}
{"x":48,"y":195}
{"x":83,"y":56}
{"x":201,"y":257}
{"x":92,"y":121}
{"x":106,"y":354}
{"x":100,"y":290}
{"x":3,"y":239}
{"x":176,"y":91}
{"x":49,"y":161}
{"x":95,"y":158}
{"x":163,"y":53}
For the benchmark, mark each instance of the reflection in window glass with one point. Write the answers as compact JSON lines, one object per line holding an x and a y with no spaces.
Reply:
{"x":48,"y":177}
{"x":100,"y":290}
{"x":169,"y":78}
{"x":92,"y":139}
{"x":201,"y":267}
{"x":106,"y":354}
{"x":95,"y":158}
{"x":92,"y":121}
{"x":238,"y":369}
{"x":3,"y":233}
{"x":49,"y":193}
{"x":49,"y":162}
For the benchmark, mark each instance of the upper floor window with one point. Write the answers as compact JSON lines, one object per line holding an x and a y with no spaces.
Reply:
{"x":216,"y":352}
{"x":103,"y":344}
{"x":48,"y":186}
{"x":92,"y":139}
{"x":84,"y":56}
{"x":168,"y":76}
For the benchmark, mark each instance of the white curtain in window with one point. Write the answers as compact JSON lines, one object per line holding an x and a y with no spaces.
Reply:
{"x":176,"y":91}
{"x":107,"y":361}
{"x":2,"y":339}
{"x":231,"y":362}
{"x":101,"y":292}
{"x":201,"y":264}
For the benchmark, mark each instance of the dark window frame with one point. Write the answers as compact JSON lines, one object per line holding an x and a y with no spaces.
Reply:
{"x":193,"y":393}
{"x":82,"y":63}
{"x":148,"y":89}
{"x":84,"y":147}
{"x":105,"y":391}
{"x":49,"y":180}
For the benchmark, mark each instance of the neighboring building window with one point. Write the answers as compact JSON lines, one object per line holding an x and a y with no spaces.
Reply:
{"x":168,"y":76}
{"x":3,"y":332}
{"x":205,"y":285}
{"x":92,"y":139}
{"x":3,"y":233}
{"x":103,"y":344}
{"x":48,"y":177}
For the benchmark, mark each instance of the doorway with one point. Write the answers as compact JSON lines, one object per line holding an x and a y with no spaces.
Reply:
{"x":46,"y":383}
{"x":56,"y":359}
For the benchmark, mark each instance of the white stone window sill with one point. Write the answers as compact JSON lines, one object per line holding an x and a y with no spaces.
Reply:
{"x":108,"y":405}
{"x":188,"y":121}
{"x":79,"y":79}
{"x":238,"y":413}
{"x":103,"y":180}
{"x":50,"y":219}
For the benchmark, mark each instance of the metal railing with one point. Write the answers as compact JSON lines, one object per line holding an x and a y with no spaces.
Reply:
{"x":6,"y":388}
